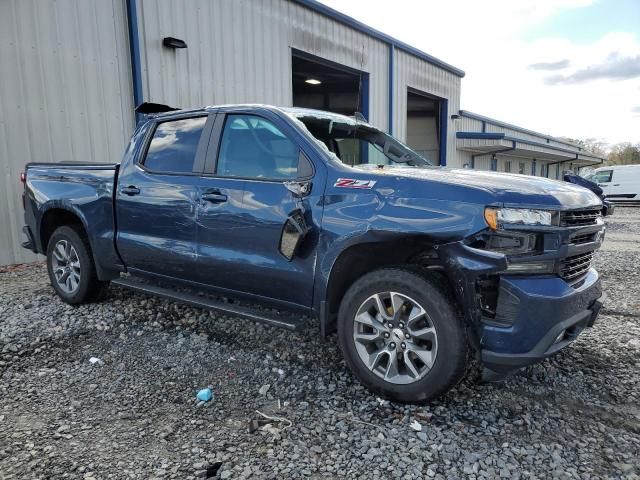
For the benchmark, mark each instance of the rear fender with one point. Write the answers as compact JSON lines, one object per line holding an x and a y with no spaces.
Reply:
{"x":99,"y":231}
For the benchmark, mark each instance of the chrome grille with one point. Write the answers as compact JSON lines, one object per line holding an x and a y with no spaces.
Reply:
{"x":579,"y":218}
{"x":576,"y":266}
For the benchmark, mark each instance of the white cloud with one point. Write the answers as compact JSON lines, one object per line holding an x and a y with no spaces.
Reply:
{"x":551,"y":66}
{"x":485,"y":39}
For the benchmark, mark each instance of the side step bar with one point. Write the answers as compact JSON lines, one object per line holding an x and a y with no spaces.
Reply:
{"x":210,"y":304}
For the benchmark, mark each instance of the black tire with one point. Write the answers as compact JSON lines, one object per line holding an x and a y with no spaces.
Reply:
{"x":89,"y":288}
{"x":453,"y":348}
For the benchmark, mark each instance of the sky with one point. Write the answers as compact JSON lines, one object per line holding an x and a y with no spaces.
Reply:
{"x":567,"y":68}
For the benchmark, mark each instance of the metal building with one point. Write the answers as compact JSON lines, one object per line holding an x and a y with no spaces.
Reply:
{"x":73,"y":70}
{"x":488,"y":144}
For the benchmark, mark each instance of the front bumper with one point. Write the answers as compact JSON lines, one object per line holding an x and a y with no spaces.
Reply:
{"x":535,"y":315}
{"x":546,"y":315}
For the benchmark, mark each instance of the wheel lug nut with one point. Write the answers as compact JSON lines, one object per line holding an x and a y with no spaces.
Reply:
{"x":390,"y":325}
{"x":401,"y":325}
{"x":403,"y":345}
{"x":386,"y":334}
{"x":392,"y":345}
{"x":407,"y":336}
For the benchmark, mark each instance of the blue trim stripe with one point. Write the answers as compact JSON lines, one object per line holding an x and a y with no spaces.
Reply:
{"x":392,"y":54}
{"x":364,"y":96}
{"x":361,"y":27}
{"x":444,"y":121}
{"x":503,"y":136}
{"x":134,"y":48}
{"x":481,"y":135}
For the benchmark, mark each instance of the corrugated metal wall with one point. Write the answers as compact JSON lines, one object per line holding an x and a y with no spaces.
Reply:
{"x":466,"y":124}
{"x":529,"y":136}
{"x":481,"y":163}
{"x":65,"y":94}
{"x":240,"y":51}
{"x":415,"y":73}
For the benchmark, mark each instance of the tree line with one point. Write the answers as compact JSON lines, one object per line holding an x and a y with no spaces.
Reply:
{"x":624,"y":153}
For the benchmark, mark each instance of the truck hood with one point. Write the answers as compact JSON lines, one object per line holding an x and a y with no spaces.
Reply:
{"x":505,"y":188}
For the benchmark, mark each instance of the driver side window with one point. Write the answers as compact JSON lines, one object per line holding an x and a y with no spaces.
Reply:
{"x":253,"y":147}
{"x":603,"y":176}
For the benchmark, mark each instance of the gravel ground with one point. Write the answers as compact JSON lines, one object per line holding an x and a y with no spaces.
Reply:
{"x":134,"y":414}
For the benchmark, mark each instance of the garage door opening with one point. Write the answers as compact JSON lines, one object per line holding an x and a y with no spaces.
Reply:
{"x":425,"y":134}
{"x":324,"y":85}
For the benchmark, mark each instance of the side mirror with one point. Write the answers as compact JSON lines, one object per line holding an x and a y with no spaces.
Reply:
{"x":293,"y":232}
{"x":301,"y":187}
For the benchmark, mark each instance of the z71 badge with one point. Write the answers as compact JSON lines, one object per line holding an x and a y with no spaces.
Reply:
{"x":352,"y":183}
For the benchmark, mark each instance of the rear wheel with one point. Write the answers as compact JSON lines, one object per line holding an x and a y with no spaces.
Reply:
{"x":71,"y":268}
{"x":401,"y":336}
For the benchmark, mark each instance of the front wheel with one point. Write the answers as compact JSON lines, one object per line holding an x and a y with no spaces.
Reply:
{"x":71,"y":268}
{"x":401,"y":335}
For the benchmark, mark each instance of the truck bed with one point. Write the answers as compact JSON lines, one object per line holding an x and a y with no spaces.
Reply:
{"x":84,"y":189}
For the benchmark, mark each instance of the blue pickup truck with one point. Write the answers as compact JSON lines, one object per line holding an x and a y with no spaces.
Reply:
{"x":250,"y":210}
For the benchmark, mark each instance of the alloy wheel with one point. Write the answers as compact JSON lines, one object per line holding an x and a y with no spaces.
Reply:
{"x":395,"y":338}
{"x":66,"y":266}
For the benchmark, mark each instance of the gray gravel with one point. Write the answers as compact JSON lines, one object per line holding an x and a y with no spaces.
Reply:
{"x":134,"y":414}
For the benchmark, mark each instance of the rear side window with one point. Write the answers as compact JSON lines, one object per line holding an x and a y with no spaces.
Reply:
{"x":603,"y":176}
{"x":253,"y":147}
{"x":174,"y":145}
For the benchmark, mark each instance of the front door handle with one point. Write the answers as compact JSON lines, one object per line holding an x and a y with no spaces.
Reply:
{"x":130,"y":190}
{"x":214,"y":197}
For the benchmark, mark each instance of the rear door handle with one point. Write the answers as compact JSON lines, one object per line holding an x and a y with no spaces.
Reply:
{"x":616,"y":184}
{"x":214,"y":197}
{"x":130,"y":190}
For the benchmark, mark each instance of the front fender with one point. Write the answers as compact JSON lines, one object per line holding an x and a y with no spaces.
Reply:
{"x":378,"y":216}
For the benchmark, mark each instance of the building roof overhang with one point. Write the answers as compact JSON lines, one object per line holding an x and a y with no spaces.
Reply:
{"x":487,"y":143}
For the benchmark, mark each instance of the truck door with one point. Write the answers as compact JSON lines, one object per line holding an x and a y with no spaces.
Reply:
{"x":604,"y":180}
{"x":260,"y":155}
{"x":157,"y":197}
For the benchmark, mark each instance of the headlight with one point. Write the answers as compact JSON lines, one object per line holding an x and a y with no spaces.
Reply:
{"x":496,"y":217}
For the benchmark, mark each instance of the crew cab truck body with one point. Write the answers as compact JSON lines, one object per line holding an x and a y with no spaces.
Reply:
{"x":420,"y":269}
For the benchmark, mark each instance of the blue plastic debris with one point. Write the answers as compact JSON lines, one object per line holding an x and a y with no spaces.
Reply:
{"x":205,"y":395}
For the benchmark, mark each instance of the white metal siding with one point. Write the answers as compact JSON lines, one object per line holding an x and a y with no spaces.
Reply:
{"x":482,"y":163}
{"x":466,"y":124}
{"x":413,"y":72}
{"x":529,"y":136}
{"x":239,"y":51}
{"x":65,"y":94}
